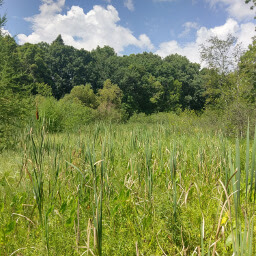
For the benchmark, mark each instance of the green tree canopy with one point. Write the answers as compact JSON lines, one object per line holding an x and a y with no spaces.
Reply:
{"x":14,"y":89}
{"x":67,"y":66}
{"x":248,"y":72}
{"x":111,"y":94}
{"x":83,"y":93}
{"x":2,"y":19}
{"x":110,"y":99}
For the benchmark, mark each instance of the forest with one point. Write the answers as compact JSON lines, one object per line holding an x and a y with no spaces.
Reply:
{"x":103,"y":154}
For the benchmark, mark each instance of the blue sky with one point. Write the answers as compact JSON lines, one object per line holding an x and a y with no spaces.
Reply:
{"x":130,"y":26}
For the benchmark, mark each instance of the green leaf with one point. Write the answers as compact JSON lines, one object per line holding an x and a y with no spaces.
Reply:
{"x":10,"y":227}
{"x":49,"y":210}
{"x":1,"y":207}
{"x":63,"y":207}
{"x":229,"y":240}
{"x":69,"y":221}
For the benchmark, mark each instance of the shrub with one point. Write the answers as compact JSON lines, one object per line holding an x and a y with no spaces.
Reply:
{"x":76,"y":115}
{"x":14,"y":111}
{"x":236,"y":116}
{"x":63,"y":115}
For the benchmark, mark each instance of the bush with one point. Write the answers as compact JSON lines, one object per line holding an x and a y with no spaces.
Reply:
{"x":14,"y":113}
{"x":63,"y":115}
{"x":236,"y":116}
{"x":50,"y":114}
{"x":108,"y":112}
{"x":76,"y":115}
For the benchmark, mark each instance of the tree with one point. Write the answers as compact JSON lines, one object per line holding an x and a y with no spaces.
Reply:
{"x":222,"y":59}
{"x":32,"y":58}
{"x":170,"y":94}
{"x":253,"y":2}
{"x":84,"y":94}
{"x":2,"y":19}
{"x":13,"y":91}
{"x":58,"y":41}
{"x":42,"y":89}
{"x":67,"y":65}
{"x":110,"y":99}
{"x":247,"y":70}
{"x":111,"y":94}
{"x":101,"y":66}
{"x":180,"y":69}
{"x":222,"y":55}
{"x":12,"y":73}
{"x":155,"y":92}
{"x":149,"y":61}
{"x":136,"y":96}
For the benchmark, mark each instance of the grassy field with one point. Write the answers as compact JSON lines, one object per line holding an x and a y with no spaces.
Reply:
{"x":161,"y":187}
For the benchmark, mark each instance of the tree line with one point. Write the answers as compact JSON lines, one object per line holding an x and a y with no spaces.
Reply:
{"x":101,"y":84}
{"x":148,"y":83}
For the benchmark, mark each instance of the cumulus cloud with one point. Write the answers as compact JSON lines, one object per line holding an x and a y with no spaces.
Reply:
{"x":129,"y":4}
{"x":237,"y":9}
{"x":244,"y":33}
{"x":164,"y":0}
{"x":188,"y":27}
{"x":5,"y":32}
{"x":82,"y":30}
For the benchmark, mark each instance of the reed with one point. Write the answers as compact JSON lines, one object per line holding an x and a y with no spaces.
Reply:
{"x":149,"y":171}
{"x":98,"y":195}
{"x":125,"y":189}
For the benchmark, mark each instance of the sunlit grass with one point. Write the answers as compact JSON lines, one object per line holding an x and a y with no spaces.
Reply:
{"x":167,"y":187}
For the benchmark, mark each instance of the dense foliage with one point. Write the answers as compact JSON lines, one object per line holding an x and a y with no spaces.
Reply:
{"x":149,"y":84}
{"x":107,"y":86}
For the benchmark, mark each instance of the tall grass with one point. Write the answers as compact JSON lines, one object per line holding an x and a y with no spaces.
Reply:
{"x":153,"y":188}
{"x":98,"y":195}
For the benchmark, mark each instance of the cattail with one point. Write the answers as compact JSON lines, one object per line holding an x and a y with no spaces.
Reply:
{"x":37,"y":114}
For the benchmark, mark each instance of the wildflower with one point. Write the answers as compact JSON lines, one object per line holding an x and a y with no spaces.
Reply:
{"x":224,"y":219}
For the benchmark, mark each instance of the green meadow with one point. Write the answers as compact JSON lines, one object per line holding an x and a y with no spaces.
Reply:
{"x":103,"y":153}
{"x":157,"y":185}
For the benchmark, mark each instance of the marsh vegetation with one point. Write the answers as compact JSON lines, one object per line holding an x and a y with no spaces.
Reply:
{"x":159,"y":185}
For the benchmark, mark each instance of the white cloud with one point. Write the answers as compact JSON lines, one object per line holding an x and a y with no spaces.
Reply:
{"x":82,"y":30}
{"x":164,"y":0}
{"x":243,"y":32}
{"x":129,"y":4}
{"x":190,"y":50}
{"x":237,"y":9}
{"x":50,"y":7}
{"x":5,"y":32}
{"x":188,"y":26}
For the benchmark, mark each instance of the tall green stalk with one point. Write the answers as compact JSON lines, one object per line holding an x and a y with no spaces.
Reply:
{"x":149,"y":172}
{"x":98,"y":195}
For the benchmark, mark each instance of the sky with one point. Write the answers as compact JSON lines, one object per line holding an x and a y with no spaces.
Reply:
{"x":163,"y":27}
